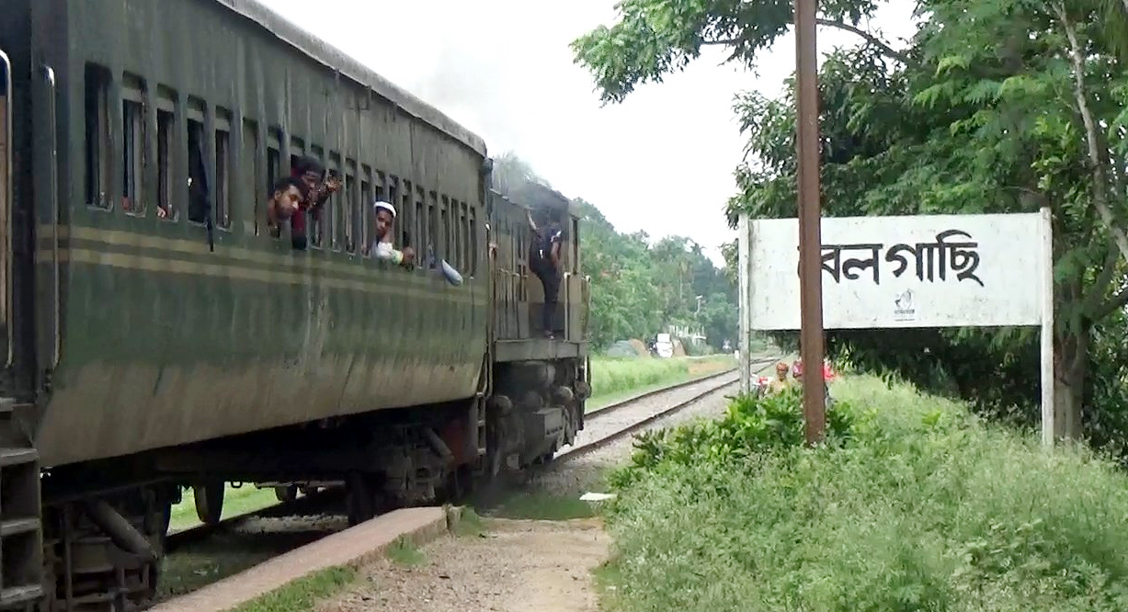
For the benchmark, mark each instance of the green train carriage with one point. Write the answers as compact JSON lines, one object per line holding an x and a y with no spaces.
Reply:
{"x":155,"y":339}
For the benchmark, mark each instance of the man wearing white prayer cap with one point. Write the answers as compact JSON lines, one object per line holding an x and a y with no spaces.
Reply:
{"x":385,"y":217}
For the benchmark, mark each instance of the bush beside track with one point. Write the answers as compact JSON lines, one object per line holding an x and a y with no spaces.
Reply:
{"x":912,"y":505}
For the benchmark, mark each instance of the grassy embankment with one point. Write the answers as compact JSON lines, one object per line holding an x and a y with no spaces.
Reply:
{"x":919,"y":507}
{"x":612,"y":380}
{"x":616,"y":379}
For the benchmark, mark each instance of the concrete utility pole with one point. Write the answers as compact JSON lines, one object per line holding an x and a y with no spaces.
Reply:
{"x":810,"y":238}
{"x":743,"y":305}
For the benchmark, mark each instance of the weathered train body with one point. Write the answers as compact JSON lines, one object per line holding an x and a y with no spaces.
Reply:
{"x":156,"y":335}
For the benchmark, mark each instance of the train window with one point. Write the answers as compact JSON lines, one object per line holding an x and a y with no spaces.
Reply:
{"x":273,"y":155}
{"x":98,"y":149}
{"x":403,"y":213}
{"x":223,"y":168}
{"x":166,"y":131}
{"x":464,"y":235}
{"x":420,"y":226}
{"x":445,"y":227}
{"x":250,"y":168}
{"x":133,"y":144}
{"x":433,"y":244}
{"x":472,"y":265}
{"x":352,"y":208}
{"x":335,"y":215}
{"x":366,"y":200}
{"x":197,"y":162}
{"x":393,"y":192}
{"x":297,"y":150}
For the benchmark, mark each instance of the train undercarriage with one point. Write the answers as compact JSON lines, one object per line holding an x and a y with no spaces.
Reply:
{"x":104,"y":524}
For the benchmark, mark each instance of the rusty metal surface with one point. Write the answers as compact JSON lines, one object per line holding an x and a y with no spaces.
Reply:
{"x":810,"y":235}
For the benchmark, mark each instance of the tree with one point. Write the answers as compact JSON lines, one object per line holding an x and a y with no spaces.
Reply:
{"x":997,"y":106}
{"x":637,"y":288}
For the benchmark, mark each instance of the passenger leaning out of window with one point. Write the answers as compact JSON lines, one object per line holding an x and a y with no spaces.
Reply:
{"x":286,"y":198}
{"x":384,"y":215}
{"x":318,"y":188}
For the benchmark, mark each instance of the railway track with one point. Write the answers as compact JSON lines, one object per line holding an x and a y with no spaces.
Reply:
{"x":603,"y":427}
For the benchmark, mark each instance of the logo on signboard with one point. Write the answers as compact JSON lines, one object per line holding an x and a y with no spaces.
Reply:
{"x":903,"y":309}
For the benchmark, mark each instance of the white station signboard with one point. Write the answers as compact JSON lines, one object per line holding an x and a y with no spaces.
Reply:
{"x":919,"y":271}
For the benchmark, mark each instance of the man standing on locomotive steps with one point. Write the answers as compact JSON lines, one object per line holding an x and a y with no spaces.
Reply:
{"x":544,"y":259}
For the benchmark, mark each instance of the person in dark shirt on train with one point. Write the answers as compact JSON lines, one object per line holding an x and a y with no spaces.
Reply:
{"x":384,"y":218}
{"x":544,"y":259}
{"x":286,"y":198}
{"x":318,"y":189}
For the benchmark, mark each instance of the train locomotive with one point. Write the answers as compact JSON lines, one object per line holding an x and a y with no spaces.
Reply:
{"x":155,"y":335}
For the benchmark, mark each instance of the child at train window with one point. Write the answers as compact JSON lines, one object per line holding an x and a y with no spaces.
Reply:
{"x":285,"y":200}
{"x":384,"y":217}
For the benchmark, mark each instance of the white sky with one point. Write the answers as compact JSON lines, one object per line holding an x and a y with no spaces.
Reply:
{"x":661,"y":162}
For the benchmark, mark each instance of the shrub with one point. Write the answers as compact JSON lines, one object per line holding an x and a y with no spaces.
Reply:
{"x":921,"y":507}
{"x":751,"y":425}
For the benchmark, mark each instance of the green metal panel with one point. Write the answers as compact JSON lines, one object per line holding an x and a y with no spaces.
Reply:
{"x":166,"y":343}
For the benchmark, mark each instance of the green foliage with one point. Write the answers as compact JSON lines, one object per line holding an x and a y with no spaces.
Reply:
{"x":614,"y":378}
{"x":752,"y":425}
{"x":984,"y":111}
{"x":638,"y":288}
{"x":923,"y":508}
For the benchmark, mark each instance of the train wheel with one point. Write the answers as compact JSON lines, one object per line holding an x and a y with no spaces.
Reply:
{"x":209,"y":501}
{"x":286,"y":494}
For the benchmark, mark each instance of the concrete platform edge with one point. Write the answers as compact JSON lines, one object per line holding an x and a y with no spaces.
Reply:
{"x":431,"y":523}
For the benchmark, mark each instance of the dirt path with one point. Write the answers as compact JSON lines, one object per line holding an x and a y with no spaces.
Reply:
{"x":516,"y":566}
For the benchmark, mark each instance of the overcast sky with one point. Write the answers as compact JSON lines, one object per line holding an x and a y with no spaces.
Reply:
{"x":661,"y":162}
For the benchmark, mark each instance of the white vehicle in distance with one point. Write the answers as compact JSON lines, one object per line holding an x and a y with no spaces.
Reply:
{"x":664,"y":346}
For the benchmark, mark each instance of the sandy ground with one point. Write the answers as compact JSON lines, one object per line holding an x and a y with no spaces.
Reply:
{"x":516,"y":566}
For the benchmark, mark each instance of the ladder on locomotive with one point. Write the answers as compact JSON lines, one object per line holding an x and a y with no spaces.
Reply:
{"x":21,"y":565}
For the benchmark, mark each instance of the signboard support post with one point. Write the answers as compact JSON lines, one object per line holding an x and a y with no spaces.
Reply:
{"x":1048,"y":415}
{"x":810,"y":242}
{"x":744,"y":269}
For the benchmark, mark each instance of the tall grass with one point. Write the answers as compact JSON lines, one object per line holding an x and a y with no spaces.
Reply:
{"x":615,"y":378}
{"x":921,"y":508}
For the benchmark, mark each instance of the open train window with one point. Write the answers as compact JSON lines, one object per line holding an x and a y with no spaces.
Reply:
{"x":392,"y":197}
{"x":223,"y":168}
{"x":404,"y":213}
{"x":273,"y":155}
{"x":463,"y":235}
{"x":420,"y":227}
{"x":434,"y":246}
{"x":444,"y":237}
{"x":366,"y":200}
{"x":352,"y":208}
{"x":97,"y":110}
{"x":335,"y":216}
{"x":133,"y":144}
{"x":198,"y":187}
{"x":166,"y":131}
{"x":250,"y":167}
{"x":472,"y":265}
